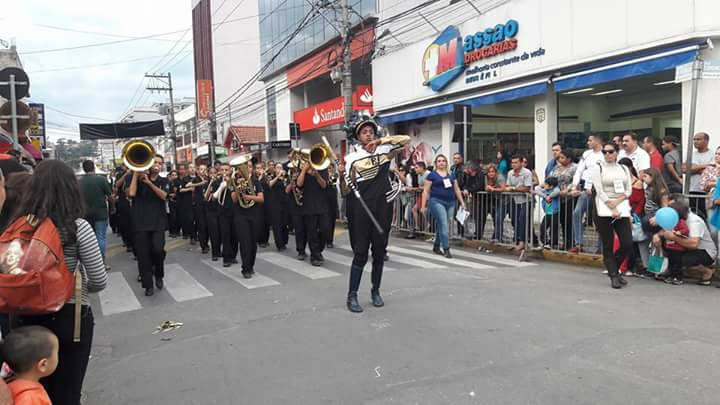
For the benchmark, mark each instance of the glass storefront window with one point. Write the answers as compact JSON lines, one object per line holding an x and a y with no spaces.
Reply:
{"x":647,"y":105}
{"x":280,"y":18}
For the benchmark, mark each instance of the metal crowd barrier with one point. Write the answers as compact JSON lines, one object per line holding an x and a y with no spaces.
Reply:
{"x":506,"y":218}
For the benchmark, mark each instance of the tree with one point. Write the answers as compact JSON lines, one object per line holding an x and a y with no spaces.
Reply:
{"x":74,"y":153}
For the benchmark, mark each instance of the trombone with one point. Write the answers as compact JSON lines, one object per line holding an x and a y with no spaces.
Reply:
{"x":138,"y":155}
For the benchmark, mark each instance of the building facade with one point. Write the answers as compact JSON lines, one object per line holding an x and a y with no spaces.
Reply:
{"x":300,"y":82}
{"x":227,"y":58}
{"x":532,"y":72}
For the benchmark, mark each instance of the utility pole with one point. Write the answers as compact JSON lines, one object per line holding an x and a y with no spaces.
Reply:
{"x":697,"y":67}
{"x":168,"y":87}
{"x":347,"y":60}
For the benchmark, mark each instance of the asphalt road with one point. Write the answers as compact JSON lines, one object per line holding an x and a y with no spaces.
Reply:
{"x":472,"y":330}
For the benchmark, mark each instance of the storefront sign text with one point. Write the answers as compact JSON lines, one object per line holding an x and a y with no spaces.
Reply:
{"x":333,"y":111}
{"x":449,"y":55}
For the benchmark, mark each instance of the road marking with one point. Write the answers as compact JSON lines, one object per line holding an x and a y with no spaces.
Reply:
{"x":337,"y":258}
{"x":406,"y":260}
{"x":414,"y":262}
{"x":182,"y":286}
{"x":492,"y":259}
{"x":433,"y":256}
{"x":169,"y":245}
{"x":299,"y":267}
{"x":117,"y":297}
{"x":235,"y":272}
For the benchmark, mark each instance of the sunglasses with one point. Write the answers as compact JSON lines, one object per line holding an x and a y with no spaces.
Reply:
{"x":608,"y":152}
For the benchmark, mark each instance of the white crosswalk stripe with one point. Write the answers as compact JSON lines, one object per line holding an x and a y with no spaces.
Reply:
{"x":182,"y":286}
{"x":423,"y":264}
{"x":344,"y":260}
{"x":492,"y":259}
{"x":432,"y":256}
{"x":300,"y":267}
{"x":117,"y":297}
{"x":235,"y":273}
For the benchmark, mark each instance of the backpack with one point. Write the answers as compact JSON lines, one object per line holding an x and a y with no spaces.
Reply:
{"x":34,"y":278}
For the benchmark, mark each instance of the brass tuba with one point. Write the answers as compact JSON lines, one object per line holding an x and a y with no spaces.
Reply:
{"x":240,"y":179}
{"x":138,"y":155}
{"x":320,"y":156}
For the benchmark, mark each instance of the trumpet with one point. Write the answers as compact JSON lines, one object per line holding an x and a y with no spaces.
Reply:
{"x":318,"y":156}
{"x":138,"y":155}
{"x":240,"y":180}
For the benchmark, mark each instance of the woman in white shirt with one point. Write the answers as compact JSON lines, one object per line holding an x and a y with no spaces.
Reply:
{"x":612,"y":184}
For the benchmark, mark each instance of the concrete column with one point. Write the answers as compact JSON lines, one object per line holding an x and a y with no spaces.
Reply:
{"x":706,"y":116}
{"x":447,"y":128}
{"x":546,"y":129}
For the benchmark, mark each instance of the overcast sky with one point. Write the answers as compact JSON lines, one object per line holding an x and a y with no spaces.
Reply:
{"x":104,"y":92}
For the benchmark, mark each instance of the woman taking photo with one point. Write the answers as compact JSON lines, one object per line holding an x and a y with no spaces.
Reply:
{"x":54,"y":193}
{"x":490,"y":202}
{"x":440,"y":194}
{"x":564,"y":172}
{"x":613,"y":185}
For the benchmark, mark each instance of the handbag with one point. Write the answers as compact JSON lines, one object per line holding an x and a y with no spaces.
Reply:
{"x":638,"y":235}
{"x":657,"y":264}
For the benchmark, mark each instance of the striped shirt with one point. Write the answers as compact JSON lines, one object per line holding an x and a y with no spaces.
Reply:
{"x":94,"y":276}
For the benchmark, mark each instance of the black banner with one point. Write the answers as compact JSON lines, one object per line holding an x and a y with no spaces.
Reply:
{"x":144,"y":129}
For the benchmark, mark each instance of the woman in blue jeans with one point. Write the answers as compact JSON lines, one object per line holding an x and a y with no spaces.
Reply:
{"x":440,"y":194}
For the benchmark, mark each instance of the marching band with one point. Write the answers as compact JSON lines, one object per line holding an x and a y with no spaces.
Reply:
{"x":231,"y":208}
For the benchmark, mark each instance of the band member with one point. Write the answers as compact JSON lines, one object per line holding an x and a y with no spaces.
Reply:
{"x":149,"y":191}
{"x":226,"y":217}
{"x":278,"y":204}
{"x":184,"y":202}
{"x":245,"y":214}
{"x":296,"y":205}
{"x":331,"y":193}
{"x":212,"y":212}
{"x":391,"y":196}
{"x":201,"y":232}
{"x":197,"y":180}
{"x":368,"y":167}
{"x":173,"y":221}
{"x":124,"y":208}
{"x":314,"y":210}
{"x":263,"y":218}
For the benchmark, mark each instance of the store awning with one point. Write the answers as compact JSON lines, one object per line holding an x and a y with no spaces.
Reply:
{"x":616,"y":70}
{"x":490,"y":97}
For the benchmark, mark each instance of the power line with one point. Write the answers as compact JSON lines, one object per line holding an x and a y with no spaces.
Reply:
{"x":160,"y":62}
{"x":104,"y":34}
{"x":239,"y":92}
{"x":120,"y":41}
{"x":76,"y":115}
{"x":120,"y":62}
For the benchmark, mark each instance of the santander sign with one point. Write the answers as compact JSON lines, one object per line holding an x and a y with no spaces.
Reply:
{"x":333,"y":111}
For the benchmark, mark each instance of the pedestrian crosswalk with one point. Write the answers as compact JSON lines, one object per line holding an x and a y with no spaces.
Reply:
{"x":185,"y":283}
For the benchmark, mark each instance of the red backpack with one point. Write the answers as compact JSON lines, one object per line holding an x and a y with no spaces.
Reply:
{"x":34,"y":278}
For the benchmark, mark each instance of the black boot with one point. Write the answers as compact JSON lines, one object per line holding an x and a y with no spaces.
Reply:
{"x":376,"y":298}
{"x":615,"y":282}
{"x":447,"y":253}
{"x":436,"y":250}
{"x":622,"y":280}
{"x":353,"y":304}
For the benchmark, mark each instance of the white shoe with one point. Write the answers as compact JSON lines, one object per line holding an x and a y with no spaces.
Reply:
{"x":605,"y":272}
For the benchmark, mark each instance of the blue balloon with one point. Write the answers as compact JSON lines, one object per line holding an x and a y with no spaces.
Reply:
{"x":667,"y":218}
